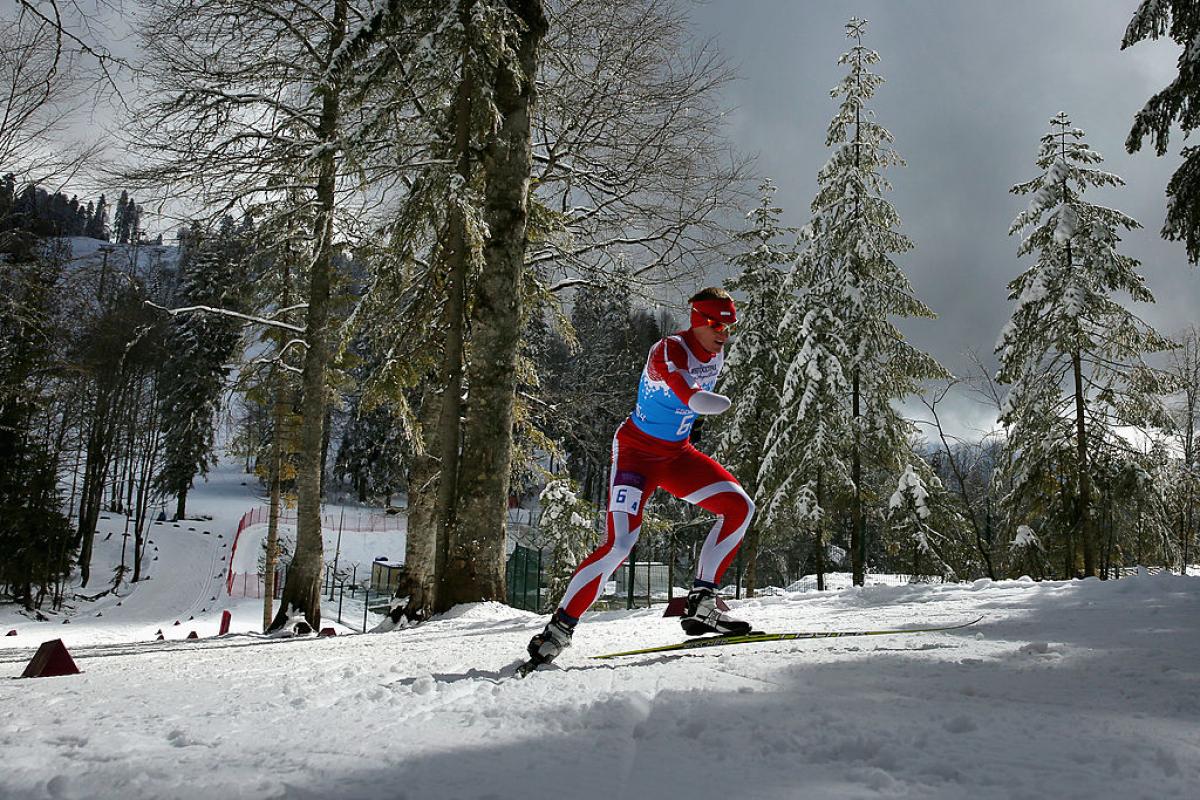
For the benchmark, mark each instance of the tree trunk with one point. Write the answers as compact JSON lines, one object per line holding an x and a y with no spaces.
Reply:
{"x":858,"y":536}
{"x":181,"y":502}
{"x":749,"y":549}
{"x":301,"y":590}
{"x":457,"y":262}
{"x":475,"y":569}
{"x":820,"y":530}
{"x":279,"y":414}
{"x":1083,"y":508}
{"x":95,"y":473}
{"x":272,"y":554}
{"x":420,"y":545}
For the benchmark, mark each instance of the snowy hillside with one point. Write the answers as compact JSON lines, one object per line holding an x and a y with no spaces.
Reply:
{"x":1080,"y":689}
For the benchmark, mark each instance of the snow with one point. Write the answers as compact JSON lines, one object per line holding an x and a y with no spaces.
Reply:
{"x":1025,"y":538}
{"x":1067,"y":689}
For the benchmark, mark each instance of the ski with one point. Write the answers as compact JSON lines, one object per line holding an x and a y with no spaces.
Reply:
{"x":754,"y":638}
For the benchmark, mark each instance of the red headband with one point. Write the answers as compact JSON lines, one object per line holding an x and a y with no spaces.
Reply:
{"x":706,"y":312}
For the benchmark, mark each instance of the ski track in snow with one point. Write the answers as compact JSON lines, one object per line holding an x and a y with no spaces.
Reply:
{"x":1082,"y":689}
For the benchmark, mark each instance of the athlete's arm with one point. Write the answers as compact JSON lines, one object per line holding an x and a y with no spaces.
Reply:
{"x":670,"y":361}
{"x":704,"y":402}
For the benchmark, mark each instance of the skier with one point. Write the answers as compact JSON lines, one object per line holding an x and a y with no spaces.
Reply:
{"x":652,"y":449}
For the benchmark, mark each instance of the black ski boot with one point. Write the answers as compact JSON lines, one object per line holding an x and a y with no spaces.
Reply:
{"x":554,"y":638}
{"x":702,"y":616}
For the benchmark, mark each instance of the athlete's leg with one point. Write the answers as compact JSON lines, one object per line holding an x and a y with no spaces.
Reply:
{"x":629,"y":487}
{"x":700,"y":480}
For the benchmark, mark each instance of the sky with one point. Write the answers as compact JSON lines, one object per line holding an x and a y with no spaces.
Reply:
{"x":970,"y":89}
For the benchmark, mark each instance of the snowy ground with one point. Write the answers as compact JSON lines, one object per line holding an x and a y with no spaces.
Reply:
{"x":1083,"y":689}
{"x":186,"y":565}
{"x":1079,"y":689}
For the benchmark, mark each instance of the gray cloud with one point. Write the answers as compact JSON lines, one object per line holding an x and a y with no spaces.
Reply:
{"x":970,"y":89}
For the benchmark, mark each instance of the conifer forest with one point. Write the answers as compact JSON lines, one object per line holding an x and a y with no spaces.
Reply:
{"x":412,"y":255}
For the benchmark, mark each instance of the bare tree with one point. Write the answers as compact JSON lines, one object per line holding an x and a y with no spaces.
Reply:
{"x":964,"y":458}
{"x":43,"y":86}
{"x":247,"y":113}
{"x":630,"y":155}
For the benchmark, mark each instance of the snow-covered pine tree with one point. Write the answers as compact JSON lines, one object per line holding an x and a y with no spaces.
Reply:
{"x":1185,"y":374}
{"x":805,"y":473}
{"x":199,"y":350}
{"x":122,"y":218}
{"x":753,"y":370}
{"x":1180,"y":19}
{"x":1073,"y":354}
{"x":849,"y":286}
{"x":371,"y":453}
{"x":1025,"y":555}
{"x":601,"y":378}
{"x":911,"y":514}
{"x":97,"y":224}
{"x":567,"y":525}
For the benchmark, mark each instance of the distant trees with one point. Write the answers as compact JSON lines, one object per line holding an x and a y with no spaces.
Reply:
{"x":30,"y":208}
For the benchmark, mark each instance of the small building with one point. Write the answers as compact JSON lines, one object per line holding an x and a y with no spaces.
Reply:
{"x":385,"y":576}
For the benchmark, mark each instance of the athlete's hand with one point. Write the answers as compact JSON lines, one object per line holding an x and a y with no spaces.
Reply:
{"x":703,"y":402}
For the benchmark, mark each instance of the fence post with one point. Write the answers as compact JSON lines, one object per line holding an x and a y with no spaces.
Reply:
{"x":366,"y":602}
{"x":632,"y":577}
{"x":341,"y":594}
{"x":525,"y":583}
{"x":539,"y":582}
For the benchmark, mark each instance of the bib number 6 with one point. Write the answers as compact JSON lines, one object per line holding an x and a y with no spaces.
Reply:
{"x":685,"y":425}
{"x":625,"y":498}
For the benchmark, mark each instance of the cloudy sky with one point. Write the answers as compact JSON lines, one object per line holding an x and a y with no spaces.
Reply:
{"x":971,"y":87}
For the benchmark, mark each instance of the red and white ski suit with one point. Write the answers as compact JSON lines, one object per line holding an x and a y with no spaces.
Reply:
{"x":677,"y":368}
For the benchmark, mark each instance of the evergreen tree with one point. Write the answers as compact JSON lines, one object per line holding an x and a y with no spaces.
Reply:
{"x":1180,"y":19}
{"x":8,"y":196}
{"x":567,"y":523}
{"x":752,"y":373}
{"x":602,"y":379}
{"x":121,"y":219}
{"x":371,"y":453}
{"x":199,"y":349}
{"x":97,"y":225}
{"x":910,"y":509}
{"x":1073,"y":353}
{"x":806,"y":473}
{"x":849,"y":287}
{"x":36,"y":540}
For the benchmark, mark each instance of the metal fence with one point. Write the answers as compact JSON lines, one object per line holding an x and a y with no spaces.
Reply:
{"x":523,"y":575}
{"x":650,"y":578}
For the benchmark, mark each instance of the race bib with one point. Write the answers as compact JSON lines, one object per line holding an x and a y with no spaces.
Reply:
{"x":626,"y":492}
{"x":625,"y":498}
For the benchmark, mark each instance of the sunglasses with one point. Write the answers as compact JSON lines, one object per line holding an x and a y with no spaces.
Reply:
{"x":719,"y":326}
